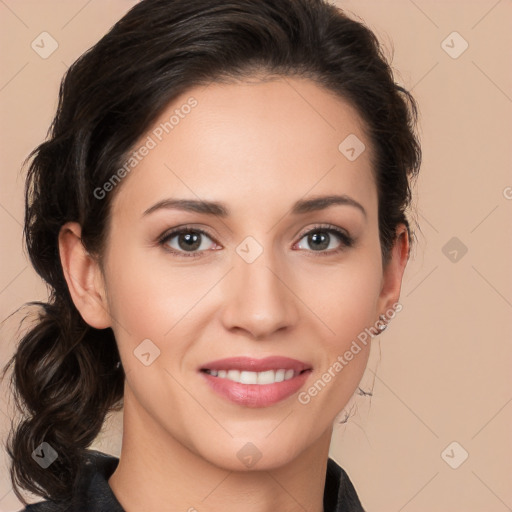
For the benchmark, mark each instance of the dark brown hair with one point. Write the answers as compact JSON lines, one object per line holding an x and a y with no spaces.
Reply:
{"x":65,"y":379}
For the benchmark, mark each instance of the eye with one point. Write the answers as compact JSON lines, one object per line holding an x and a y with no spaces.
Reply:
{"x":189,"y":241}
{"x":320,"y":238}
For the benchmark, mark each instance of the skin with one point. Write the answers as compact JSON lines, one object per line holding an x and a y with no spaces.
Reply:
{"x":258,"y":147}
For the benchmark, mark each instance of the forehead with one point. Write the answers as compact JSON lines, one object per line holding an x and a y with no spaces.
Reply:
{"x":272,"y":140}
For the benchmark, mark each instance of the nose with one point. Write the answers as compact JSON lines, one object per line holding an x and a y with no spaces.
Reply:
{"x":259,"y":299}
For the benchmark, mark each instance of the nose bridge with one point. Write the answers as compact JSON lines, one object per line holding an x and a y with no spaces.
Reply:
{"x":259,"y":301}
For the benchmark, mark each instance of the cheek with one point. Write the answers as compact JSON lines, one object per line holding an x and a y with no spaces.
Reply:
{"x":345,"y":301}
{"x":148,"y":296}
{"x":145,"y":303}
{"x":345,"y":298}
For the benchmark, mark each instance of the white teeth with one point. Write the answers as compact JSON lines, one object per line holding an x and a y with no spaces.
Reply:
{"x":233,"y":375}
{"x":247,"y":377}
{"x":280,"y":375}
{"x":268,"y":377}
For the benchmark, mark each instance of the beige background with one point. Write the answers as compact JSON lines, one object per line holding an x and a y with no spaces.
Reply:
{"x":441,"y":372}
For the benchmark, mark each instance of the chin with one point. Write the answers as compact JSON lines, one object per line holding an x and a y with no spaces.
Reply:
{"x":248,"y":453}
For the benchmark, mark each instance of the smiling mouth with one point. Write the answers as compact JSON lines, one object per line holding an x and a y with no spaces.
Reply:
{"x":253,"y":382}
{"x":261,"y":378}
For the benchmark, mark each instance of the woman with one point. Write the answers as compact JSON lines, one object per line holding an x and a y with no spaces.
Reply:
{"x":219,"y":212}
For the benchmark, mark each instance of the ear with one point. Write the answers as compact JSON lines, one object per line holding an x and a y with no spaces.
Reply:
{"x":83,"y":276}
{"x":394,"y":270}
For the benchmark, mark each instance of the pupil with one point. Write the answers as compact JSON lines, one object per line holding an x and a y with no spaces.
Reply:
{"x":191,"y":241}
{"x":316,"y":238}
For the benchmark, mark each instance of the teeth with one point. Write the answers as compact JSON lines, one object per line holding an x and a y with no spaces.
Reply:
{"x":280,"y":375}
{"x":246,"y":377}
{"x":268,"y":377}
{"x":233,"y":375}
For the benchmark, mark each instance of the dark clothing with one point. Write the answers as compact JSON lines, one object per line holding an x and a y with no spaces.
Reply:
{"x":95,"y":495}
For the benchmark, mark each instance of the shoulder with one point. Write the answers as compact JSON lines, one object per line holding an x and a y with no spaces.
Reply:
{"x":339,"y":493}
{"x":91,"y":491}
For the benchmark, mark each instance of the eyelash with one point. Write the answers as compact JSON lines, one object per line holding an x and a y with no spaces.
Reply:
{"x":346,"y":240}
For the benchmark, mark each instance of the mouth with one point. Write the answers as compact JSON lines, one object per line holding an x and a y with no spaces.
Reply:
{"x":256,"y":382}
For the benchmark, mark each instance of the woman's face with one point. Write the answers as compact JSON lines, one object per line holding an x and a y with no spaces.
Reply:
{"x":267,"y":278}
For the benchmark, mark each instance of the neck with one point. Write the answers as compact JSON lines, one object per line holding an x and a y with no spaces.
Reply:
{"x":157,"y":472}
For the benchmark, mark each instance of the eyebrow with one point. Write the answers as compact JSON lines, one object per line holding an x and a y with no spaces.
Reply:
{"x":220,"y":209}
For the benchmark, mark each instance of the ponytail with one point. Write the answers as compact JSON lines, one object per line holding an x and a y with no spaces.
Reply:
{"x":65,"y":380}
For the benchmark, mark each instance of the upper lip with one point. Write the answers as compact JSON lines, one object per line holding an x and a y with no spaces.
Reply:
{"x":256,"y":365}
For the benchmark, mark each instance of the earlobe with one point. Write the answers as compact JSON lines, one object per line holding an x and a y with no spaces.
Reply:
{"x":83,"y":276}
{"x":394,"y":270}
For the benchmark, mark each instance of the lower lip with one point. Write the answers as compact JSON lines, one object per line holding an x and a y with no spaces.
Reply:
{"x":256,"y":395}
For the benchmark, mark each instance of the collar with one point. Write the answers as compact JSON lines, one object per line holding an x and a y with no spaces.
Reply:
{"x":94,"y":494}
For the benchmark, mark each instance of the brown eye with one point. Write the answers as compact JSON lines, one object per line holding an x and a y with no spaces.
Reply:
{"x":320,"y":239}
{"x":186,"y":240}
